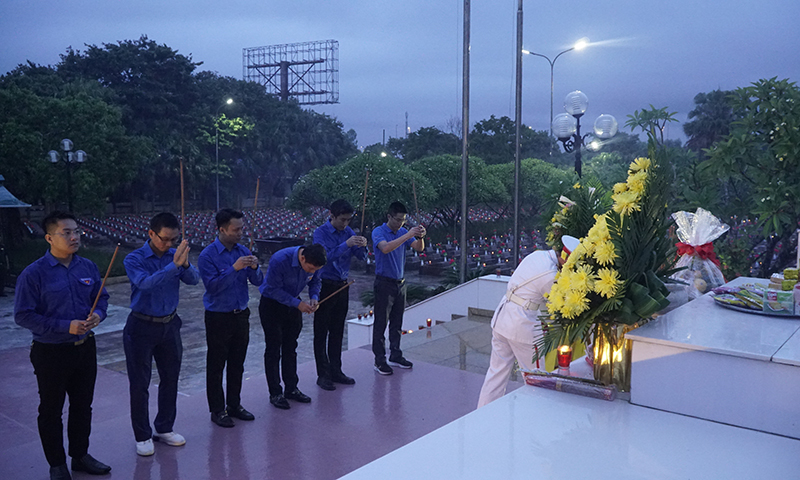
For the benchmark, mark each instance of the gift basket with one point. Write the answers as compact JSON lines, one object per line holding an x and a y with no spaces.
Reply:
{"x":696,"y":231}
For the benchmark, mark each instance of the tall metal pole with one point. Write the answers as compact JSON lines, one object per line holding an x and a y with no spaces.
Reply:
{"x":518,"y":135}
{"x":69,"y":181}
{"x":464,"y":144}
{"x":578,"y":144}
{"x":217,"y":167}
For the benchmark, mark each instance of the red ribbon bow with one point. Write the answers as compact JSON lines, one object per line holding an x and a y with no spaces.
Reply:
{"x":705,"y":251}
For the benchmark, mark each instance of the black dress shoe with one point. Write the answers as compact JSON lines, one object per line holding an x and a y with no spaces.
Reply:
{"x":88,"y":464}
{"x":325,"y":384}
{"x":240,"y":413}
{"x":222,"y":419}
{"x":60,"y":472}
{"x":297,"y":396}
{"x":343,"y":379}
{"x":279,"y":401}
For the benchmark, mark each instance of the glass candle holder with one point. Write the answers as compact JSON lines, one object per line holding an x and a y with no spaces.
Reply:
{"x":564,"y":356}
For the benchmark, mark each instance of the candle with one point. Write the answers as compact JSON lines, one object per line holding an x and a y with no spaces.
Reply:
{"x":564,"y":356}
{"x":428,"y":321}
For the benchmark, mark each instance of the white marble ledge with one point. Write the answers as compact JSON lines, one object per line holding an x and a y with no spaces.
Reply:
{"x":704,"y":326}
{"x":789,"y":353}
{"x":543,"y":434}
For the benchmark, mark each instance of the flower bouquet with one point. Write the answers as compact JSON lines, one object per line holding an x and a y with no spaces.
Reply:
{"x":613,"y":279}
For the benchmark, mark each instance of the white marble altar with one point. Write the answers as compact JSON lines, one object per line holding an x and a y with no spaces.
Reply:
{"x":719,"y":364}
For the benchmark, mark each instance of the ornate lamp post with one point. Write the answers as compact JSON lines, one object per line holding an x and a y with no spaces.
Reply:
{"x":69,"y":157}
{"x":567,"y":126}
{"x":579,"y":45}
{"x":216,"y":126}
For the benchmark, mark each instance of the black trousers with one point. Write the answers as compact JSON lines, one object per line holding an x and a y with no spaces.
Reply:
{"x":329,"y":328}
{"x":65,"y":369}
{"x":390,"y":303}
{"x":282,"y":325}
{"x":227,"y":336}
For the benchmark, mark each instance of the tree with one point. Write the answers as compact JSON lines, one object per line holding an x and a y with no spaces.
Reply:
{"x":654,"y":119}
{"x":537,"y":179}
{"x":761,"y":158}
{"x":493,"y":140}
{"x":389,"y":180}
{"x":41,"y":109}
{"x":710,"y":120}
{"x":443,"y":172}
{"x":425,"y":142}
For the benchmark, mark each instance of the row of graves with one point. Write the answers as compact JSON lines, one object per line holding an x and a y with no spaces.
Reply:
{"x":489,"y":254}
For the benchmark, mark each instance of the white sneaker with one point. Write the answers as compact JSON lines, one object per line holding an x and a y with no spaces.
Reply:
{"x":171,"y":438}
{"x":145,"y":449}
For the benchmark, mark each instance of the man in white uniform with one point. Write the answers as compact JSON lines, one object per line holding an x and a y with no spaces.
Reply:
{"x":515,"y":324}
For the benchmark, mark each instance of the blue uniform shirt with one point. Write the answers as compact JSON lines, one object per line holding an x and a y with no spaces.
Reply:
{"x":155,"y":281}
{"x":49,"y":296}
{"x":226,"y":289}
{"x":285,"y":278}
{"x":390,"y":264}
{"x":339,"y":254}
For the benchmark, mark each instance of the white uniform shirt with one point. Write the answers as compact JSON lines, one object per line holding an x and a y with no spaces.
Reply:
{"x":514,"y":321}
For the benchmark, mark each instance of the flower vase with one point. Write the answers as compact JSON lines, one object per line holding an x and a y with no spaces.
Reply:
{"x":612,"y":355}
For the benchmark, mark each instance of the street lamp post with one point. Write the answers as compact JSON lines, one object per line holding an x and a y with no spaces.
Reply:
{"x":579,"y":45}
{"x":69,"y":158}
{"x":567,"y":126}
{"x":216,"y":142}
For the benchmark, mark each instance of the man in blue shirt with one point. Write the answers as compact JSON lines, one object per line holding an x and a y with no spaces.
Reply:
{"x":53,"y":298}
{"x":390,"y":241}
{"x":225,"y":267}
{"x":341,"y":244}
{"x":281,"y":312}
{"x":152,"y":331}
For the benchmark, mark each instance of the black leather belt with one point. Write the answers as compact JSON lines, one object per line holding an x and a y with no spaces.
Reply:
{"x":337,"y":283}
{"x":68,"y":344}
{"x":390,"y":280}
{"x":150,"y":318}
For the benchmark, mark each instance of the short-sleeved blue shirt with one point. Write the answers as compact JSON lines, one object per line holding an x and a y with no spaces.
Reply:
{"x":390,"y":264}
{"x":286,"y":278}
{"x":226,"y":288}
{"x":49,"y":296}
{"x":339,"y":254}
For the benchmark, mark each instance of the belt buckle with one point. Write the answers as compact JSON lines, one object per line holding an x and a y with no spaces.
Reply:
{"x":237,"y":311}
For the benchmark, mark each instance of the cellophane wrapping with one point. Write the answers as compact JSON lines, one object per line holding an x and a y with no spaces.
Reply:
{"x":568,"y":385}
{"x":698,"y":229}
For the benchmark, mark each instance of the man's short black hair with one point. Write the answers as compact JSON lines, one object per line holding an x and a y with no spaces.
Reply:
{"x":225,"y":215}
{"x":340,"y":207}
{"x":164,"y":220}
{"x":52,"y":219}
{"x":315,"y":255}
{"x":397,"y":207}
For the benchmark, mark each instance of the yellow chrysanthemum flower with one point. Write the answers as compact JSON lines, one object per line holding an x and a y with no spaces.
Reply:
{"x":625,"y":203}
{"x":605,"y":253}
{"x":607,"y":282}
{"x":583,"y":278}
{"x":636,"y":182}
{"x":577,"y":185}
{"x":620,"y":187}
{"x":575,"y":303}
{"x":640,"y":163}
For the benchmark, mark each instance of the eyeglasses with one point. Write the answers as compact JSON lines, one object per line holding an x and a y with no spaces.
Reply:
{"x":169,"y":240}
{"x":400,"y":219}
{"x":69,"y":233}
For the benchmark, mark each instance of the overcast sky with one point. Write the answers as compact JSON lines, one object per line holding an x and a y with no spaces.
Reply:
{"x":405,"y":56}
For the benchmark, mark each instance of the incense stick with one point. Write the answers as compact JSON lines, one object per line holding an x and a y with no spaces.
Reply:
{"x":334,"y":293}
{"x":102,"y":285}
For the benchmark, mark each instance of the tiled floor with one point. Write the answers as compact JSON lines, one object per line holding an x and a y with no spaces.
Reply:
{"x":337,"y":433}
